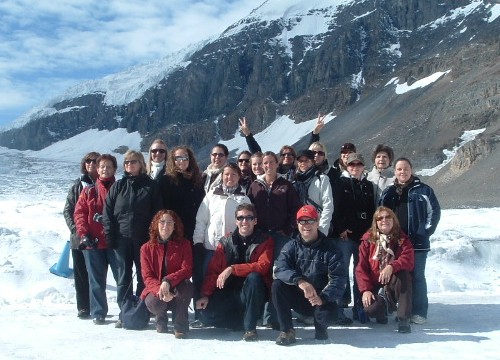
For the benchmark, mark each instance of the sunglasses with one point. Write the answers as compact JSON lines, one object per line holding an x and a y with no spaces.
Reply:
{"x":320,"y":153}
{"x":247,"y":218}
{"x":181,"y":158}
{"x":90,"y":161}
{"x":244,"y":161}
{"x":218,"y":154}
{"x":161,"y":151}
{"x":385,"y":217}
{"x":287,"y":155}
{"x":130,"y":162}
{"x":308,"y":222}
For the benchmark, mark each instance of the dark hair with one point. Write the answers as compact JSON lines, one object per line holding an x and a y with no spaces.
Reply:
{"x":232,"y":166}
{"x":247,"y":207}
{"x":154,"y":233}
{"x":403,"y":159}
{"x":383,"y":148}
{"x":90,"y":155}
{"x":245,"y":152}
{"x":223,"y":147}
{"x":288,"y":147}
{"x":107,"y":157}
{"x":396,"y":228}
{"x":192,"y":171}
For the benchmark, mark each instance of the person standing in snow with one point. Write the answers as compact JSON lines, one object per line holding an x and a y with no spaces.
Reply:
{"x":88,"y":168}
{"x":418,"y":212}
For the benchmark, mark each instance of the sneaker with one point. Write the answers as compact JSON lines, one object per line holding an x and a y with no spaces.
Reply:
{"x":419,"y":320}
{"x":250,"y":335}
{"x":286,"y":338}
{"x":306,"y":320}
{"x":118,"y":324}
{"x":99,"y":320}
{"x":404,"y":326}
{"x":83,"y":314}
{"x":179,"y":334}
{"x":321,"y":333}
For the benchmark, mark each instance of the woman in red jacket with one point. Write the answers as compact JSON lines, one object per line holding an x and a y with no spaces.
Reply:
{"x":383,"y":271}
{"x":167,"y":266}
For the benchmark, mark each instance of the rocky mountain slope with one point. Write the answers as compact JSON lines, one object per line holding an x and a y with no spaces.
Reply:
{"x":303,"y":57}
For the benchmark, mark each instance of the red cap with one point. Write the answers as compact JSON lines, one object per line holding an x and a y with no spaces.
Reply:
{"x":307,"y":211}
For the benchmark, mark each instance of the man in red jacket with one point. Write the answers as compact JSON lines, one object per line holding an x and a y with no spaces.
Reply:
{"x":238,"y":278}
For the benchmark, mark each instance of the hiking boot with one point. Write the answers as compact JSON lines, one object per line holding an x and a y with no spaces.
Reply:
{"x":404,"y":326}
{"x":118,"y":324}
{"x":99,"y":320}
{"x":179,"y":334}
{"x":83,"y":314}
{"x":286,"y":338}
{"x":419,"y":320}
{"x":321,"y":333}
{"x":250,"y":335}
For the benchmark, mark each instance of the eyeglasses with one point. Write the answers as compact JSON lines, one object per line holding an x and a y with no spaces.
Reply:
{"x":166,"y":222}
{"x":244,"y":161}
{"x":90,"y":161}
{"x":161,"y":151}
{"x":320,"y":153}
{"x":218,"y":154}
{"x":130,"y":162}
{"x":181,"y":158}
{"x":355,"y":164}
{"x":308,"y":222}
{"x":384,"y":217}
{"x":247,"y":218}
{"x":286,"y":155}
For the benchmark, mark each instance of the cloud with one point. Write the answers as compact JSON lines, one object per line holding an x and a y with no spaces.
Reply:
{"x":46,"y":46}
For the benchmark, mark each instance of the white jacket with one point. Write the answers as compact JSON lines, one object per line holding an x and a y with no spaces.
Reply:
{"x":215,"y":217}
{"x":380,"y":180}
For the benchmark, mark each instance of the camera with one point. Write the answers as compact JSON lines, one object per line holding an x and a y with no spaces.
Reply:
{"x":97,"y":218}
{"x":86,"y":243}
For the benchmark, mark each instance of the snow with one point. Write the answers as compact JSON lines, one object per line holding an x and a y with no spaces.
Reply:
{"x":466,"y":137}
{"x":495,"y":13}
{"x":404,"y":88}
{"x":38,"y":311}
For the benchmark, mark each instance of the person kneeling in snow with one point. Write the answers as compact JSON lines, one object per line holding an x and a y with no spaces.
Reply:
{"x":383,"y":271}
{"x":238,"y":277}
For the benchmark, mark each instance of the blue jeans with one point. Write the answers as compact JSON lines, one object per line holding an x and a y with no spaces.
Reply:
{"x":420,"y":300}
{"x":232,"y":308}
{"x":350,"y":248}
{"x":97,"y":261}
{"x":128,"y":254}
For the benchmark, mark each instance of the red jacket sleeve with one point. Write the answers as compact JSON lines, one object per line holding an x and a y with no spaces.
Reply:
{"x":405,"y":256}
{"x":81,"y":215}
{"x":216,"y":265}
{"x":364,"y":273}
{"x":179,"y":262}
{"x":149,"y":268}
{"x":261,"y":261}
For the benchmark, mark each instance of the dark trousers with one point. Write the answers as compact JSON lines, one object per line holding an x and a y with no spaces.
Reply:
{"x":287,"y":297}
{"x":420,"y":299}
{"x":81,"y":280}
{"x":350,"y":248}
{"x":232,"y":308}
{"x":128,"y":254}
{"x":398,"y":294}
{"x":178,"y":305}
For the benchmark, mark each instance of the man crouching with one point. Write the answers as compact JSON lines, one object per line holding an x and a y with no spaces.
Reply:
{"x":309,"y":278}
{"x":238,"y":277}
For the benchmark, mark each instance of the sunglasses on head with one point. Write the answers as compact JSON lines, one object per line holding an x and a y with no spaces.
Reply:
{"x":161,"y":151}
{"x":247,"y":218}
{"x":308,"y":221}
{"x":90,"y":161}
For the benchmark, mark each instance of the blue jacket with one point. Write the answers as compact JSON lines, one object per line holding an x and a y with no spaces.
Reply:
{"x":423,"y":215}
{"x":319,"y":263}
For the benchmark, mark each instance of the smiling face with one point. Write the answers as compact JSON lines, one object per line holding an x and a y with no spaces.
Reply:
{"x":382,"y":160}
{"x":270,"y":166}
{"x":244,"y":163}
{"x":132,"y":165}
{"x":304,"y":163}
{"x":257,"y":168}
{"x":355,"y":169}
{"x":385,"y":222}
{"x":403,"y":171}
{"x":308,"y":231}
{"x":166,"y":226}
{"x":181,"y":159}
{"x":319,"y":154}
{"x":218,"y":157}
{"x":158,"y":152}
{"x":245,"y":221}
{"x":106,"y":169}
{"x":230,"y":177}
{"x":91,"y":166}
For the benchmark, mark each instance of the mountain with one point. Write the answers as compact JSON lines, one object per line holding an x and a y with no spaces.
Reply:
{"x":358,"y":60}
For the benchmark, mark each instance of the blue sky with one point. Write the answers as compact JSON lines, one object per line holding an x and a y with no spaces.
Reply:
{"x":48,"y":46}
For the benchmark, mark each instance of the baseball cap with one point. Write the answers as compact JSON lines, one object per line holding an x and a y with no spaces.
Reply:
{"x":307,"y":211}
{"x":355,"y":157}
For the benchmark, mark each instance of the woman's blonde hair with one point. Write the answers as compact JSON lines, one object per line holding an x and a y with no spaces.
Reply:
{"x":150,"y":161}
{"x":395,"y":231}
{"x":135,"y":155}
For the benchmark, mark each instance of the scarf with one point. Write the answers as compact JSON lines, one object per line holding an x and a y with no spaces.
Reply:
{"x":156,"y":168}
{"x":400,"y":186}
{"x":383,"y":252}
{"x":302,"y":182}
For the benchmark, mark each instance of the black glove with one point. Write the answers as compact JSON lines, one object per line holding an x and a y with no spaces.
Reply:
{"x":85,"y":243}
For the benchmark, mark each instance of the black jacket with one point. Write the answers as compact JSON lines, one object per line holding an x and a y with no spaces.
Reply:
{"x":183,"y":198}
{"x":129,"y":208}
{"x":354,"y":204}
{"x":69,"y":206}
{"x":319,"y":263}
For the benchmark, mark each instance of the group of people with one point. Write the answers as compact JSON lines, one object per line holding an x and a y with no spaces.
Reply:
{"x":253,"y":240}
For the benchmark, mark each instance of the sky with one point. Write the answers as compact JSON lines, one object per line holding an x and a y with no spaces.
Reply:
{"x":38,"y":309}
{"x":48,"y":46}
